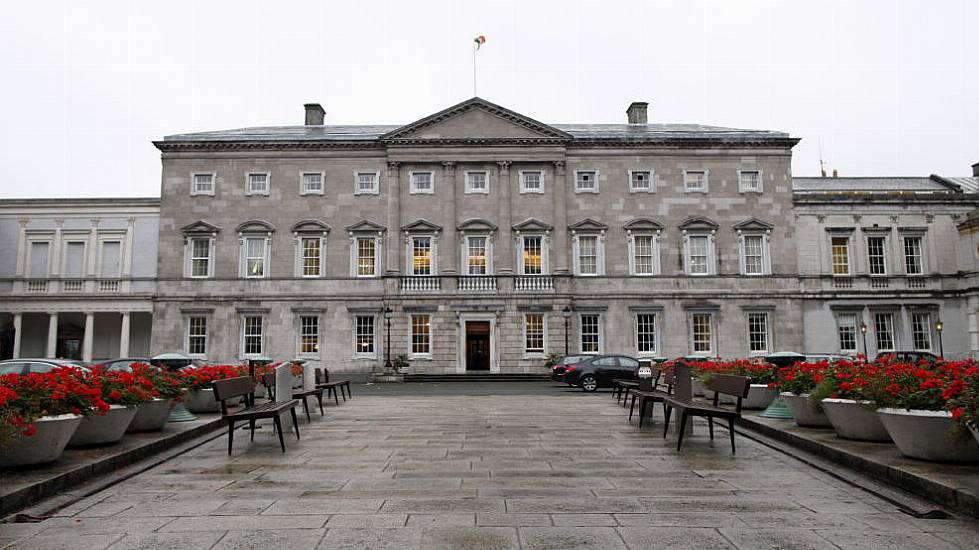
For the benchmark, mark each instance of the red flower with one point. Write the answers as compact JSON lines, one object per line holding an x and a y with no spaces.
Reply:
{"x":957,"y":413}
{"x":115,"y":395}
{"x":30,"y":430}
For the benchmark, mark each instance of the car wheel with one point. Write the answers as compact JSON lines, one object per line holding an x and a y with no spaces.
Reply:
{"x":589,"y":383}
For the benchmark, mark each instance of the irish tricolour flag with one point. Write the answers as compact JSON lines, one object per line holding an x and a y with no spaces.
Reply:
{"x":479,"y":40}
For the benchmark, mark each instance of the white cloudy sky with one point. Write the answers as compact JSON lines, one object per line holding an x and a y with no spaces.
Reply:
{"x":887,"y":87}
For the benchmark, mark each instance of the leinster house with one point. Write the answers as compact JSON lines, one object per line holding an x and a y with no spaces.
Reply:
{"x":480,"y":239}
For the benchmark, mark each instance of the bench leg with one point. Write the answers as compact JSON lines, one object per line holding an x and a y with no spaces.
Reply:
{"x":306,"y":408}
{"x":710,"y":425}
{"x":319,"y":399}
{"x":632,"y":407}
{"x":295,"y":423}
{"x":667,"y":411}
{"x":731,"y":430}
{"x":333,"y":390}
{"x":251,"y":424}
{"x":343,"y":394}
{"x":683,"y":428}
{"x":278,"y":426}
{"x":231,"y":435}
{"x":350,"y":395}
{"x":642,"y":410}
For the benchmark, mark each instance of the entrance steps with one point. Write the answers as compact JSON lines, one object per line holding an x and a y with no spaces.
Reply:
{"x":477,"y":377}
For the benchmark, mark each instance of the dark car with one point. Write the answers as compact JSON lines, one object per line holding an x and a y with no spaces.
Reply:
{"x":598,"y":371}
{"x":557,"y":371}
{"x":28,"y":366}
{"x":912,"y":357}
{"x":124,"y":364}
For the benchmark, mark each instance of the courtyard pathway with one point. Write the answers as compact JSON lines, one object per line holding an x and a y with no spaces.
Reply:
{"x":555,"y":470}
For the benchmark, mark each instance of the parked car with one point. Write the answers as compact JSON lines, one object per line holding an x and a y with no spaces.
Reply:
{"x":828,"y":357}
{"x":907,"y":356}
{"x":124,"y":364}
{"x":28,"y":366}
{"x":557,"y":371}
{"x":598,"y":371}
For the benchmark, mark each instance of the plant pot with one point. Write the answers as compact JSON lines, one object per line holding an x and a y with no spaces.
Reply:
{"x":760,"y":396}
{"x":854,"y":420}
{"x":974,"y":430}
{"x":108,"y":428}
{"x":804,"y":413}
{"x":53,"y":434}
{"x":202,"y":401}
{"x":698,"y":388}
{"x":259,"y":391}
{"x":151,"y":415}
{"x":925,"y":435}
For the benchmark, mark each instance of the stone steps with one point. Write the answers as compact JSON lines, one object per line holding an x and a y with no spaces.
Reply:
{"x":477,"y":377}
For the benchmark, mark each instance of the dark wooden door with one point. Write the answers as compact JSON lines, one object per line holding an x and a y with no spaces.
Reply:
{"x":477,"y":345}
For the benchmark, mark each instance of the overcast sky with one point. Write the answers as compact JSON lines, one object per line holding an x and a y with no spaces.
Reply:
{"x":886,"y":87}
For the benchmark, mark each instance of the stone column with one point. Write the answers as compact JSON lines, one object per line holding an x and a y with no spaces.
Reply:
{"x":21,"y":269}
{"x":124,"y":335}
{"x":449,"y":245}
{"x":87,"y":339}
{"x":56,"y":267}
{"x":93,"y":250}
{"x":52,"y":349}
{"x":392,"y":264}
{"x":127,"y":253}
{"x":560,"y":241}
{"x":503,"y":240}
{"x":18,"y":321}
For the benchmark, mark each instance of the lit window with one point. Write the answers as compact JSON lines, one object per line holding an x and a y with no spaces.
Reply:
{"x":586,"y":181}
{"x":701,"y":331}
{"x":421,"y":335}
{"x":366,"y":257}
{"x":197,"y":335}
{"x":749,"y":181}
{"x":311,"y":261}
{"x":531,"y":181}
{"x":421,"y":256}
{"x":534,"y":333}
{"x":532,"y":261}
{"x":646,"y":333}
{"x":590,"y":333}
{"x":200,"y":257}
{"x":699,"y":251}
{"x":312,"y":183}
{"x":476,"y":182}
{"x":695,"y":181}
{"x":921,"y":331}
{"x":912,"y":256}
{"x":258,"y":184}
{"x":203,"y":184}
{"x":364,"y":336}
{"x":421,"y":182}
{"x":846,"y":326}
{"x":588,"y":255}
{"x":758,"y":332}
{"x":367,"y":183}
{"x":640,"y":181}
{"x":875,"y":256}
{"x":255,"y":257}
{"x":840,"y":249}
{"x":753,"y":246}
{"x":884,"y":331}
{"x":253,"y":335}
{"x":476,"y":258}
{"x":309,"y":334}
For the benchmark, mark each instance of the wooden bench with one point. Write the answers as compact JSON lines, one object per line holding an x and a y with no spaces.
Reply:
{"x":323,"y":383}
{"x":649,"y":395}
{"x":683,"y":402}
{"x":622,"y":387}
{"x":268,"y":380}
{"x":244,"y":386}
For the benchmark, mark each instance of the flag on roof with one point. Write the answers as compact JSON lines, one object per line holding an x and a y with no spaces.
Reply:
{"x":479,"y":40}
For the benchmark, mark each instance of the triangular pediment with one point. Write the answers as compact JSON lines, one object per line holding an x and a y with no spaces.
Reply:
{"x":477,"y":224}
{"x":365,"y":226}
{"x":696,"y":223}
{"x":200,"y":227}
{"x":588,"y":224}
{"x":255,"y":226}
{"x":753,"y":224}
{"x":310,"y":225}
{"x":421,"y":226}
{"x":643,"y":224}
{"x":476,"y":120}
{"x":532,"y":225}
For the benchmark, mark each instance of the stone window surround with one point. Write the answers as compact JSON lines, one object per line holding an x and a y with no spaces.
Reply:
{"x":769,"y":312}
{"x":600,"y":313}
{"x":594,"y":189}
{"x":262,"y":313}
{"x":110,"y":236}
{"x":366,"y":230}
{"x":656,"y":311}
{"x":354,"y":314}
{"x":643,"y":227}
{"x":410,"y":313}
{"x":433,"y":250}
{"x":530,"y":310}
{"x":698,"y":309}
{"x":377,"y":182}
{"x":464,"y":256}
{"x":711,"y":252}
{"x":468,"y":188}
{"x":308,"y":229}
{"x":544,"y":256}
{"x":588,"y":231}
{"x":522,"y":177}
{"x":208,"y":315}
{"x":761,"y":182}
{"x":841,"y":232}
{"x":193,"y":184}
{"x":254,"y":229}
{"x":248,"y":185}
{"x":922,"y":233}
{"x":706,"y":174}
{"x":754,"y":228}
{"x":298,"y":314}
{"x":652,"y":181}
{"x":40,"y":236}
{"x":199,"y":230}
{"x":302,"y":186}
{"x":412,"y":190}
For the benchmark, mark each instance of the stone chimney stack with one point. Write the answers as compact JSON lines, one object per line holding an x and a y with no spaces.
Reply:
{"x":637,"y":112}
{"x":975,"y":170}
{"x":314,"y":114}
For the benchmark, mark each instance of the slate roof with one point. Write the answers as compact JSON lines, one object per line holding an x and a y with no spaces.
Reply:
{"x":968,"y":184}
{"x":922,"y":184}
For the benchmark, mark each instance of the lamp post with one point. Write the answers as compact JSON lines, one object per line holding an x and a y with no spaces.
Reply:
{"x":939,"y":327}
{"x":863,"y":333}
{"x":566,"y":312}
{"x":387,"y":340}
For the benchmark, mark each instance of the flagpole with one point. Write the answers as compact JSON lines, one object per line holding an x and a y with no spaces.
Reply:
{"x":475,"y":47}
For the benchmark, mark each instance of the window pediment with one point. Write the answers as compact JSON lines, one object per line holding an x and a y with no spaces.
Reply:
{"x":365,"y":226}
{"x":421,"y":226}
{"x":588,"y":225}
{"x":532,"y":225}
{"x":753,"y":224}
{"x":306,"y":226}
{"x":476,"y":225}
{"x":697,"y":223}
{"x":200,"y":227}
{"x":255,"y":226}
{"x":643,"y":224}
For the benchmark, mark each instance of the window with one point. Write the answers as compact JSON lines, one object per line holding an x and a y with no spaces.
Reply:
{"x":532,"y":259}
{"x":255,"y":257}
{"x":913,"y":264}
{"x":758,"y":332}
{"x":39,"y":258}
{"x":695,"y":181}
{"x":753,"y":255}
{"x":364,"y":335}
{"x":884,"y":331}
{"x":311,"y":183}
{"x":421,"y":182}
{"x":197,"y":335}
{"x":421,"y":335}
{"x":875,"y":256}
{"x":200,"y":258}
{"x":476,"y":256}
{"x":646,"y":333}
{"x":921,"y":331}
{"x":367,"y":183}
{"x":640,"y":181}
{"x":846,"y":328}
{"x":586,"y":181}
{"x":749,"y":181}
{"x":476,"y":182}
{"x":534,"y":333}
{"x":588,"y":255}
{"x":109,"y":264}
{"x":531,"y":181}
{"x":840,"y":251}
{"x":366,"y":257}
{"x":311,"y":256}
{"x":421,"y":256}
{"x":257,"y":184}
{"x":701,"y":332}
{"x":309,"y":334}
{"x":253,"y":334}
{"x":202,"y":184}
{"x":699,"y":251}
{"x":75,"y":259}
{"x":590,"y":335}
{"x":643,"y":248}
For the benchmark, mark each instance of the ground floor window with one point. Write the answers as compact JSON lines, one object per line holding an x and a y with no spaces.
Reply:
{"x":884,"y":331}
{"x":921,"y":331}
{"x":701,"y":332}
{"x":364,"y":335}
{"x":309,"y":334}
{"x":758,"y":332}
{"x":534,"y":333}
{"x":646,"y":333}
{"x":421,"y":334}
{"x":846,"y":329}
{"x":590,"y":333}
{"x":253,"y":335}
{"x":197,"y":335}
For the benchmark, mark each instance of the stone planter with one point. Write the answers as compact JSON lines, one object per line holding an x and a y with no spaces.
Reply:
{"x":975,"y":431}
{"x":760,"y":396}
{"x":698,"y":388}
{"x":108,"y":428}
{"x":151,"y":415}
{"x":804,"y":413}
{"x":202,"y":401}
{"x":854,"y":420}
{"x":53,"y":434}
{"x":259,"y":391}
{"x":925,"y":435}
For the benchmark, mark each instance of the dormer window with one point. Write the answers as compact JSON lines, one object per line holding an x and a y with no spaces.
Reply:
{"x":586,"y":181}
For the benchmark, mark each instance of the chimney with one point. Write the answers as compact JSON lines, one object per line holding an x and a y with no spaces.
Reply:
{"x":637,"y":112}
{"x":975,"y":170}
{"x":835,"y":173}
{"x":314,"y":114}
{"x":823,"y":172}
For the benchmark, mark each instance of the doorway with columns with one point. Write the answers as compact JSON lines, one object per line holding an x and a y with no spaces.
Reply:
{"x":85,"y":335}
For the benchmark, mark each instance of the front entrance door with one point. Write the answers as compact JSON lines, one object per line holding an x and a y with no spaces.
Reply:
{"x":477,"y":345}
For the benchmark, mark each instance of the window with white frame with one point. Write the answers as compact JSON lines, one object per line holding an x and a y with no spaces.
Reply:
{"x":366,"y":256}
{"x":476,"y":256}
{"x":202,"y":184}
{"x":364,"y":335}
{"x":197,"y":335}
{"x":913,"y":264}
{"x":644,"y":254}
{"x":640,"y":181}
{"x":840,"y":255}
{"x":701,"y":333}
{"x":758,"y":332}
{"x":590,"y":333}
{"x":311,"y":183}
{"x":531,"y":181}
{"x":421,"y":334}
{"x":39,"y":253}
{"x":75,"y":259}
{"x":695,"y":181}
{"x":846,"y":329}
{"x":253,"y":334}
{"x":698,"y":255}
{"x":311,"y":249}
{"x":749,"y":181}
{"x":533,"y":250}
{"x":534,"y":333}
{"x":257,"y":183}
{"x":884,"y":331}
{"x":587,"y":255}
{"x":309,"y":334}
{"x":110,"y":259}
{"x":421,"y":182}
{"x":586,"y":181}
{"x":753,"y":254}
{"x":367,"y":183}
{"x":876,"y":258}
{"x":477,"y":182}
{"x":921,"y":331}
{"x":646,"y":334}
{"x":255,"y":257}
{"x":421,"y":256}
{"x":200,"y":257}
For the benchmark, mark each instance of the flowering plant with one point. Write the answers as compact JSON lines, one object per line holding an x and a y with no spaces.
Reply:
{"x":963,"y":399}
{"x":907,"y":386}
{"x":25,"y":398}
{"x":201,"y":378}
{"x":758,"y":372}
{"x":847,"y":379}
{"x":121,"y":387}
{"x":801,"y":378}
{"x":165,"y":384}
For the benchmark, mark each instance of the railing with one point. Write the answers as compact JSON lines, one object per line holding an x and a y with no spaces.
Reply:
{"x":477,"y":283}
{"x":880,"y":282}
{"x":533,"y":283}
{"x":421,"y":284}
{"x":72,"y":287}
{"x":108,"y":286}
{"x":842,"y":282}
{"x":37,"y":287}
{"x":915,"y":282}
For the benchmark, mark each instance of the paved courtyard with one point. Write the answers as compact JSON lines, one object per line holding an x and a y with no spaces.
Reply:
{"x":555,"y":469}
